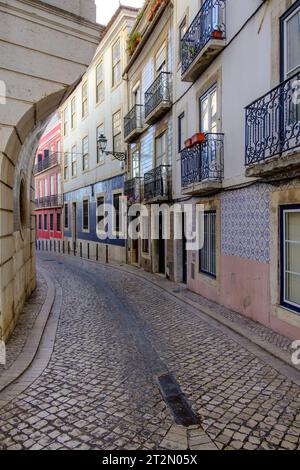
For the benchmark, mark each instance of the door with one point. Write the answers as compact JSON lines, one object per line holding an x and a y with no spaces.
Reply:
{"x":74,"y":224}
{"x":184,"y":252}
{"x":161,"y":247}
{"x":209,"y":125}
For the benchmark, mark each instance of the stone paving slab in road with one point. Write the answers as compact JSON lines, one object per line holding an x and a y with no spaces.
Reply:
{"x":99,"y":390}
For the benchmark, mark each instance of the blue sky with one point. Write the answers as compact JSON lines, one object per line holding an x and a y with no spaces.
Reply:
{"x":106,"y":8}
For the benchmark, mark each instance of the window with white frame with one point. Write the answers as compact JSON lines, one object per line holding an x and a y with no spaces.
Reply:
{"x":66,"y":166}
{"x":73,"y":113}
{"x":290,"y":257}
{"x":116,"y":63}
{"x":291,"y":32}
{"x":117,"y":132}
{"x":181,"y":131}
{"x":84,"y":100}
{"x":65,"y":117}
{"x":99,"y":83}
{"x":85,"y":153}
{"x":100,"y":155}
{"x":74,"y":162}
{"x":135,"y":163}
{"x":52,"y":189}
{"x":160,"y":150}
{"x":85,"y":214}
{"x":45,"y":187}
{"x":209,"y":111}
{"x":182,"y":31}
{"x":207,"y":257}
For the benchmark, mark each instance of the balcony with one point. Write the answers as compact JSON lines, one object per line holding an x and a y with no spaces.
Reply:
{"x":48,"y":161}
{"x":157,"y":184}
{"x":133,"y":190}
{"x":133,"y":123}
{"x":202,"y":166}
{"x":49,"y":201}
{"x":273,"y":131}
{"x":204,"y":39}
{"x":158,"y":98}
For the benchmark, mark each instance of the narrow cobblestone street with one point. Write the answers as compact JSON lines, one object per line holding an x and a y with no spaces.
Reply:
{"x":116,"y":335}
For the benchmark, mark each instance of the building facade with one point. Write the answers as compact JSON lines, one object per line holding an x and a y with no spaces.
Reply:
{"x":148,"y":131}
{"x":93,"y":181}
{"x":48,"y":184}
{"x":235,"y":89}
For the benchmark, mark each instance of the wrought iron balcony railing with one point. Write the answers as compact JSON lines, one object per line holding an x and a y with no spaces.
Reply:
{"x":203,"y":161}
{"x":157,"y":183}
{"x":273,"y":122}
{"x":208,"y":24}
{"x":133,"y":121}
{"x":48,"y":161}
{"x":133,"y":190}
{"x":49,"y":201}
{"x":159,"y":93}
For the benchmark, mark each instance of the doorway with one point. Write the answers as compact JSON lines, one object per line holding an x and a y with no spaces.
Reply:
{"x":74,"y":224}
{"x":184,"y":251}
{"x":161,"y":247}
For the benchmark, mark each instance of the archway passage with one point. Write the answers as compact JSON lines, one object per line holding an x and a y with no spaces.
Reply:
{"x":44,"y":50}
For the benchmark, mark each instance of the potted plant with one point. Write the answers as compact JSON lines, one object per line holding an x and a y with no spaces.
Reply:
{"x":217,"y":34}
{"x":134,"y":40}
{"x":198,"y":138}
{"x":188,"y":143}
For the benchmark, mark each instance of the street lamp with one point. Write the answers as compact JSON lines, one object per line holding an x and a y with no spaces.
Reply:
{"x":102,"y":143}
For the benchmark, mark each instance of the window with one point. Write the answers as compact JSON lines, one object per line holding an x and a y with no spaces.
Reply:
{"x":40,"y":221}
{"x":99,"y":83}
{"x":181,"y":132}
{"x":291,"y":41}
{"x":116,"y":63}
{"x":85,"y":153}
{"x":290,"y":257}
{"x":58,"y":222}
{"x":51,"y":149}
{"x":40,"y":189}
{"x":66,"y":216}
{"x":117,"y":213}
{"x":58,"y":183}
{"x":100,"y":214}
{"x":84,"y":99}
{"x":160,"y":60}
{"x":45,"y":222}
{"x":135,"y":159}
{"x":207,"y":261}
{"x":51,"y":223}
{"x":73,"y":113}
{"x":160,"y":150}
{"x":45,"y":187}
{"x":52,"y":185}
{"x":100,"y":155}
{"x":117,"y":132}
{"x":66,"y":166}
{"x":182,"y":31}
{"x":73,"y":162}
{"x":208,"y":111}
{"x":65,"y":121}
{"x":85,"y":214}
{"x":58,"y":150}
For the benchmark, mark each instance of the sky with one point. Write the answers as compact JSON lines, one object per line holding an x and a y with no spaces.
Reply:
{"x":106,"y":8}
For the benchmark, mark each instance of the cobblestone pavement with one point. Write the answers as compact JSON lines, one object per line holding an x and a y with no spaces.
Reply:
{"x":115,"y":336}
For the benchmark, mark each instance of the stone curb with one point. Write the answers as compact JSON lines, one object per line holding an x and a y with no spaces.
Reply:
{"x":33,"y":341}
{"x":255,"y":340}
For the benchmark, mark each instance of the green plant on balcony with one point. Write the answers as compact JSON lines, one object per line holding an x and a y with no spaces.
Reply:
{"x":134,"y":40}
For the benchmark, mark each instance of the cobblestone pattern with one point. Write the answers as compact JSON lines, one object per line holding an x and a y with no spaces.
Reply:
{"x":99,"y":391}
{"x":25,"y":323}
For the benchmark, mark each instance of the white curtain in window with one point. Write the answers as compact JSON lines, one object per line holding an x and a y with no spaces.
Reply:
{"x":293,"y":43}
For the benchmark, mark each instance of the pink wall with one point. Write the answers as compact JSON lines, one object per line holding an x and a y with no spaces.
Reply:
{"x":245,"y":288}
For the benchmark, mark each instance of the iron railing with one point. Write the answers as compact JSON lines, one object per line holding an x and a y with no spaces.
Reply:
{"x":208,"y":24}
{"x":273,"y":122}
{"x":133,"y":190}
{"x":47,"y":162}
{"x":203,"y":161}
{"x":158,"y":93}
{"x":49,"y":201}
{"x":157,"y":183}
{"x":133,"y":120}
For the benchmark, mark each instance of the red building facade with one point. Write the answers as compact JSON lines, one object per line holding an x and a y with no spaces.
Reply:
{"x":48,"y":184}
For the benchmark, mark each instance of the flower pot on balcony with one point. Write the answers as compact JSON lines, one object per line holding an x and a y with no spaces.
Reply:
{"x":217,"y":34}
{"x":198,"y":138}
{"x":188,"y":143}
